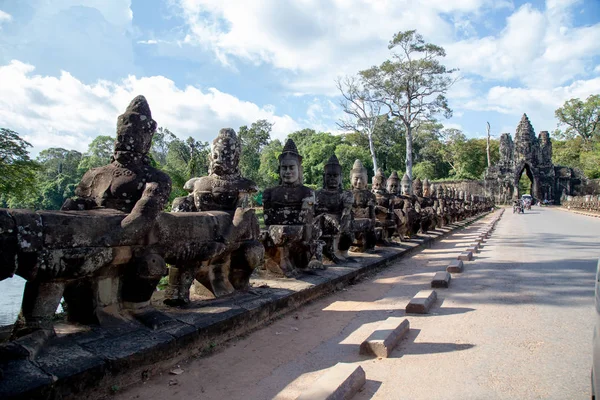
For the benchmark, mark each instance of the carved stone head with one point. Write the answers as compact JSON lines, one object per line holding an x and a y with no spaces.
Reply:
{"x":135,"y":128}
{"x":290,"y":165}
{"x":225,"y":155}
{"x":393,"y":183}
{"x":417,"y":187}
{"x":332,"y":174}
{"x":405,"y":185}
{"x":426,"y":188}
{"x":358,"y":176}
{"x":378,"y":183}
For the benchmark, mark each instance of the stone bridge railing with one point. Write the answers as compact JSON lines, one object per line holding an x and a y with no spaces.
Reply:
{"x":588,"y":203}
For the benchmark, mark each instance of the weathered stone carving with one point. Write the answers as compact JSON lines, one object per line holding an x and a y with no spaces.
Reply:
{"x":412,"y":211}
{"x":224,"y":189}
{"x":334,"y":212}
{"x":292,"y":240}
{"x":532,"y":155}
{"x":385,"y":224}
{"x":402,"y":208}
{"x":428,"y":215}
{"x":108,"y":248}
{"x":363,"y":210}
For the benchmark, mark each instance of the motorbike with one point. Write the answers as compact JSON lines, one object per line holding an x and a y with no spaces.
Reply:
{"x":518,"y":208}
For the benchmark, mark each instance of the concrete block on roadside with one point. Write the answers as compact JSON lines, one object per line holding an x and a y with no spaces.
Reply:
{"x":342,"y":381}
{"x":422,"y":302}
{"x":465,"y":256}
{"x":456,"y":266}
{"x":388,"y":334}
{"x":441,"y":280}
{"x":472,"y":249}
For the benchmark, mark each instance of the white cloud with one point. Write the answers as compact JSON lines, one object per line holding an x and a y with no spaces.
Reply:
{"x":62,"y":111}
{"x":5,"y":17}
{"x":539,"y":104}
{"x":537,"y":48}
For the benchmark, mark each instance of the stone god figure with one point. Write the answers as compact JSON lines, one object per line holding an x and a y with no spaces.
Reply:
{"x":224,"y":189}
{"x":106,"y":250}
{"x":333,"y":208}
{"x":292,"y":242}
{"x":428,"y":217}
{"x":385,"y":225}
{"x":411,"y":206}
{"x":363,"y":210}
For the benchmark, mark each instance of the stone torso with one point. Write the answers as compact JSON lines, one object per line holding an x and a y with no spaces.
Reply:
{"x":211,"y":193}
{"x":364,"y":201}
{"x":283,"y":205}
{"x":119,"y":187}
{"x":330,"y":202}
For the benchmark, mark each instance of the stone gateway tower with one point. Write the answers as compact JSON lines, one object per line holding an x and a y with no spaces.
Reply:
{"x":532,"y":155}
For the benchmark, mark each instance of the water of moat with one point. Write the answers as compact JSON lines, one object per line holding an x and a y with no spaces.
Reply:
{"x":11,"y":293}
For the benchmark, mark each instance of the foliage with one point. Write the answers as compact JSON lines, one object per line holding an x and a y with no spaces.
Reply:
{"x":253,"y":140}
{"x":58,"y":177}
{"x":582,"y":118}
{"x":17,"y":170}
{"x":269,"y":163}
{"x":99,"y":153}
{"x":411,"y":85}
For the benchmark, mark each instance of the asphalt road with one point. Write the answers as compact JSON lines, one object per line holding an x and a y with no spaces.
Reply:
{"x":516,"y":324}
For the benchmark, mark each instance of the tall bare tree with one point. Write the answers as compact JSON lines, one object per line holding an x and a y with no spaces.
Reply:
{"x":362,"y":110}
{"x":412,"y":84}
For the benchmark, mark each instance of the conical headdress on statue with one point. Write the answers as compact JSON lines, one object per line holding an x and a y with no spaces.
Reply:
{"x":358,"y":168}
{"x":290,"y":149}
{"x":406,"y":179}
{"x":379,"y":176}
{"x":333,"y":161}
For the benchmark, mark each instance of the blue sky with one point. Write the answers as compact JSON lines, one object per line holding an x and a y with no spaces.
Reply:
{"x":69,"y":67}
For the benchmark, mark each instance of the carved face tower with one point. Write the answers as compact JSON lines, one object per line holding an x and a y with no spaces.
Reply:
{"x":225,"y":156}
{"x":332,"y":174}
{"x":358,"y":176}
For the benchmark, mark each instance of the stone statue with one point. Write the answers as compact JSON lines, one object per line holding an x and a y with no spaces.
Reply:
{"x":411,"y":207}
{"x":333,"y":208}
{"x":428,"y":215}
{"x":363,"y":210}
{"x":292,"y":238}
{"x":427,"y":188}
{"x":401,"y":207}
{"x":385,"y":225}
{"x":224,"y":189}
{"x":107,"y":249}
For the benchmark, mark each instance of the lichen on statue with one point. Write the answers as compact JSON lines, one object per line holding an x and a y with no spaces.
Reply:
{"x":224,"y":189}
{"x":333,"y":209}
{"x":292,"y":243}
{"x":363,"y":210}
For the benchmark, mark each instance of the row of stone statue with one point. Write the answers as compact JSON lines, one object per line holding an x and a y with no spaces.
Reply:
{"x":582,"y":203}
{"x":108,"y":247}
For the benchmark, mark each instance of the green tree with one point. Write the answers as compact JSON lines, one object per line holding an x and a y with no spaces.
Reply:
{"x":581,"y":118}
{"x":58,"y":176}
{"x":315,"y":148}
{"x":269,"y":163}
{"x":98,"y":154}
{"x":253,"y":140}
{"x":412,"y":85}
{"x":17,"y":170}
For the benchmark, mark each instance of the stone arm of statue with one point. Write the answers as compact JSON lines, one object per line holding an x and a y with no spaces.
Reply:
{"x":83,"y":200}
{"x":308,"y":204}
{"x":247,"y":189}
{"x":371,"y":204}
{"x":346,"y":218}
{"x":143,"y":215}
